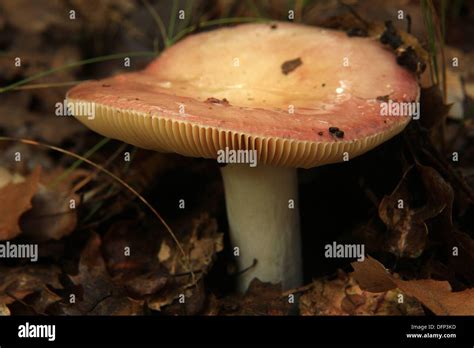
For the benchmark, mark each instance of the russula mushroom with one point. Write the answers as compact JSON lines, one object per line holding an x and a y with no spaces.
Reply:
{"x":300,"y":96}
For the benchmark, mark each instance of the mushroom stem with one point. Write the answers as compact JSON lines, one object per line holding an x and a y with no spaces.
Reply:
{"x":264,"y":223}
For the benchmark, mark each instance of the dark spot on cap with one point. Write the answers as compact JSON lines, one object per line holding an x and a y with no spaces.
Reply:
{"x":383,"y":98}
{"x":218,"y":101}
{"x":360,"y":32}
{"x":323,"y":85}
{"x":105,"y":85}
{"x":273,"y":26}
{"x":290,"y":65}
{"x":336,"y":132}
{"x":320,"y":133}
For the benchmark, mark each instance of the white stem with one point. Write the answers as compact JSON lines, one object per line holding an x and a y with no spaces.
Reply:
{"x":263,"y":225}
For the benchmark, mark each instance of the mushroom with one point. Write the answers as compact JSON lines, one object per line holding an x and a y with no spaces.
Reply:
{"x":299,"y":96}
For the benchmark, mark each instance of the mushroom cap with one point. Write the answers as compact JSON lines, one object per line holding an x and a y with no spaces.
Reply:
{"x":275,"y":88}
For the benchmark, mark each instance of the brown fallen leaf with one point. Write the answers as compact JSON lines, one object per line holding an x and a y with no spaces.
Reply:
{"x":147,"y":283}
{"x":130,"y":256}
{"x":192,"y":301}
{"x":260,"y":299}
{"x":165,"y":296}
{"x":435,"y":295}
{"x":4,"y":310}
{"x":407,"y":233}
{"x":201,"y":245}
{"x":343,"y":296}
{"x":42,"y":300}
{"x":51,"y":216}
{"x":15,"y":199}
{"x":406,"y":215}
{"x":6,"y":177}
{"x":372,"y":276}
{"x":18,"y":282}
{"x":98,"y":294}
{"x":141,"y":246}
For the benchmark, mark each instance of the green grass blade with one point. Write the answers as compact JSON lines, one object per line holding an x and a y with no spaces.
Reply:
{"x":75,"y":65}
{"x":78,"y":162}
{"x":173,"y":15}
{"x":157,"y":18}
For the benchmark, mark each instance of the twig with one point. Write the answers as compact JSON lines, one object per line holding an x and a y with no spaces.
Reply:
{"x":298,"y":290}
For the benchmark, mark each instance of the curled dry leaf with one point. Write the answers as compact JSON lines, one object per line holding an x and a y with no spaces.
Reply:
{"x":405,"y":215}
{"x":15,"y":199}
{"x":201,"y":246}
{"x":435,"y":295}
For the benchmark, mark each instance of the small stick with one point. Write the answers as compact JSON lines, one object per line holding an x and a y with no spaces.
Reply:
{"x":298,"y":290}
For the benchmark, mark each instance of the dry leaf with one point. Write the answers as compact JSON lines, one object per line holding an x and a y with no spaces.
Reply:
{"x":43,"y":300}
{"x":6,"y":177}
{"x":404,"y":215}
{"x":15,"y":199}
{"x":19,"y":282}
{"x":372,"y":276}
{"x":98,"y":294}
{"x":4,"y":310}
{"x":202,"y":244}
{"x":343,"y":296}
{"x":51,"y":216}
{"x":194,"y":302}
{"x":436,"y":295}
{"x":407,"y":233}
{"x":260,"y":299}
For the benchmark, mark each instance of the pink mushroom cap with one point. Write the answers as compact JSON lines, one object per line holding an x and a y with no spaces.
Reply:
{"x":301,"y":96}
